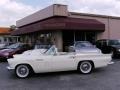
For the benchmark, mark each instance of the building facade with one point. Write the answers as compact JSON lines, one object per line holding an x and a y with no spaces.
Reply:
{"x":5,"y":36}
{"x":55,"y":24}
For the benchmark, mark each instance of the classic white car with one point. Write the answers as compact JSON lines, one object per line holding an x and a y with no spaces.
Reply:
{"x":52,"y":61}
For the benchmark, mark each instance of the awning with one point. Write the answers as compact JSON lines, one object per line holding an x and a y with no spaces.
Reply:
{"x":61,"y":23}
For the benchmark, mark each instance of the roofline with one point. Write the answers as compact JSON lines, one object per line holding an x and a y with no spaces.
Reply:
{"x":5,"y":33}
{"x":5,"y":27}
{"x":95,"y":15}
{"x":40,"y":21}
{"x":60,"y":4}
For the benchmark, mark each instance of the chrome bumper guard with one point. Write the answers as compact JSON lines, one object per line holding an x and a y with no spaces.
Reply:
{"x":10,"y":68}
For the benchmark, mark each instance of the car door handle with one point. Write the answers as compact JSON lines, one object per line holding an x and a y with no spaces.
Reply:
{"x":39,"y":59}
{"x":72,"y":56}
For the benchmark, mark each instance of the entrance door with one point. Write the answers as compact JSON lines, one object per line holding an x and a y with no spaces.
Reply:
{"x":85,"y":36}
{"x":68,"y":39}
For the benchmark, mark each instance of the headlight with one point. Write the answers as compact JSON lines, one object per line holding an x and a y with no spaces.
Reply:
{"x":119,"y":50}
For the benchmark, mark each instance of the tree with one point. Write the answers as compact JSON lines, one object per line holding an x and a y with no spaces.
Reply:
{"x":13,"y":27}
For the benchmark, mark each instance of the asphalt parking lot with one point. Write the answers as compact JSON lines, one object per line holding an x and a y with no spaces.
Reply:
{"x":107,"y":78}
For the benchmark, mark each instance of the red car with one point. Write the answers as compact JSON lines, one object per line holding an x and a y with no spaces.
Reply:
{"x":9,"y":51}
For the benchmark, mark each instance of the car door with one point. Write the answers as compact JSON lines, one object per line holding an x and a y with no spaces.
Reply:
{"x":52,"y":63}
{"x":41,"y":63}
{"x":62,"y":62}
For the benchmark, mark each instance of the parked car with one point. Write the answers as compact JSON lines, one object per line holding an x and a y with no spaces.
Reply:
{"x":52,"y":61}
{"x":109,"y":46}
{"x":84,"y":47}
{"x":9,"y":51}
{"x":4,"y":45}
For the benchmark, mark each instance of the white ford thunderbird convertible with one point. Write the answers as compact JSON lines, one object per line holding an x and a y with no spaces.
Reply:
{"x":52,"y":60}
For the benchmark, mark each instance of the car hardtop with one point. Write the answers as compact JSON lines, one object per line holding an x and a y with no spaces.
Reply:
{"x":83,"y":44}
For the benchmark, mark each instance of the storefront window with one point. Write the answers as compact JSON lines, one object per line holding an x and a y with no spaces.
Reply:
{"x":5,"y":39}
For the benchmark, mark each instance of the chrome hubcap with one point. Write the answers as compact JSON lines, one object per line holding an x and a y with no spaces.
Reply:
{"x":22,"y":70}
{"x":85,"y":67}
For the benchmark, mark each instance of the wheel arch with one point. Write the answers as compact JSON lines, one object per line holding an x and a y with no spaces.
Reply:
{"x":29,"y":66}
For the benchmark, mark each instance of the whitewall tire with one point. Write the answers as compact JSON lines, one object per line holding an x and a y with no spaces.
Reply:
{"x":22,"y":71}
{"x":85,"y":67}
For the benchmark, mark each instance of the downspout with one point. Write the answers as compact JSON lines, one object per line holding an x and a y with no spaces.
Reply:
{"x":85,"y":36}
{"x":108,"y":27}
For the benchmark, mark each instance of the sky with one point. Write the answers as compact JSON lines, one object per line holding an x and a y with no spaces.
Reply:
{"x":13,"y":10}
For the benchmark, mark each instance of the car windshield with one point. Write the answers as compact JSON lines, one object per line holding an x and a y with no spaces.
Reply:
{"x":114,"y":42}
{"x":13,"y":46}
{"x":83,"y":44}
{"x":51,"y":51}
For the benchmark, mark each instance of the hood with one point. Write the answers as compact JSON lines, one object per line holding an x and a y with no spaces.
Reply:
{"x":30,"y":53}
{"x":6,"y":51}
{"x":34,"y":52}
{"x":116,"y":46}
{"x":88,"y":50}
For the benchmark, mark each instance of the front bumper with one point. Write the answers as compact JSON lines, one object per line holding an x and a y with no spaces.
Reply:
{"x":10,"y":68}
{"x":117,"y":53}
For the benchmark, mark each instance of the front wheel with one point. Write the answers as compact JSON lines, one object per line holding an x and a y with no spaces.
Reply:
{"x":85,"y":67}
{"x":22,"y":71}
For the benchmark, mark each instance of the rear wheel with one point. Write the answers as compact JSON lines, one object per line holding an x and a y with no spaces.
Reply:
{"x":85,"y":67}
{"x":22,"y":71}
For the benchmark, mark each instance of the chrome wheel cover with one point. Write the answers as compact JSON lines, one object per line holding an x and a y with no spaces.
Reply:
{"x":22,"y":71}
{"x":85,"y":67}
